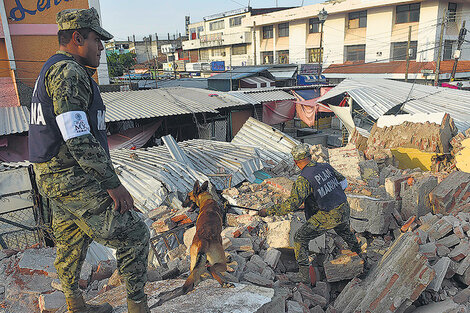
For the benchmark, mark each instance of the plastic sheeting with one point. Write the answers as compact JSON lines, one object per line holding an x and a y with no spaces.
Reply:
{"x":308,"y":109}
{"x":275,"y":112}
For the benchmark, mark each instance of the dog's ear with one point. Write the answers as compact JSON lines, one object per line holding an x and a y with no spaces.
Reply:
{"x":204,"y":186}
{"x":196,"y":188}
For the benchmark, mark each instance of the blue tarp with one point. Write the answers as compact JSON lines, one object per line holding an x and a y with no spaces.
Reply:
{"x":309,"y":93}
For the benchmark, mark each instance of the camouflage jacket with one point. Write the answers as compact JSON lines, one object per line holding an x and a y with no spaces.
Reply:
{"x":81,"y":161}
{"x":302,"y":191}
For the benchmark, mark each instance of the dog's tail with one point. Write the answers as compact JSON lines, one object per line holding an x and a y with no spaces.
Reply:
{"x":196,"y":272}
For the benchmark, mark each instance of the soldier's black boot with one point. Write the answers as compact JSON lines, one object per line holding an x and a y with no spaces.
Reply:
{"x":78,"y":305}
{"x":138,"y":306}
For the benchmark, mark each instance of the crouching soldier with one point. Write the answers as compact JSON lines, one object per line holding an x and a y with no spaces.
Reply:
{"x":321,"y":188}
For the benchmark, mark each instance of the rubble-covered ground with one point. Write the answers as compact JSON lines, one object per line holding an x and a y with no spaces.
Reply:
{"x":413,"y":226}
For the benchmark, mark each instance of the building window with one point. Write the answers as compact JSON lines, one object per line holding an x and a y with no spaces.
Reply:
{"x":283,"y":56}
{"x":357,"y":19}
{"x":267,"y":32}
{"x":239,"y":49}
{"x":399,"y":50}
{"x":451,"y":11}
{"x":267,"y":57}
{"x":407,"y":13}
{"x":314,"y":55}
{"x":236,"y":21}
{"x":204,"y":54}
{"x":448,"y":50}
{"x":314,"y":25}
{"x":283,"y":29}
{"x":355,"y":53}
{"x":218,"y":52}
{"x":217,"y":25}
{"x":200,"y":29}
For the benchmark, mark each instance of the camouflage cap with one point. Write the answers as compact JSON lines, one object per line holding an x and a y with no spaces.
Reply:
{"x":300,"y":152}
{"x":82,"y":18}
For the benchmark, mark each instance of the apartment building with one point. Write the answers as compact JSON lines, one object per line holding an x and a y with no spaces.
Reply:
{"x":361,"y":38}
{"x":224,"y":37}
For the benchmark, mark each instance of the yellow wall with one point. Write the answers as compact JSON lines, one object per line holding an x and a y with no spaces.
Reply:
{"x":412,"y":158}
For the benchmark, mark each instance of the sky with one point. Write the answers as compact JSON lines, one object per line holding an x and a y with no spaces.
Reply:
{"x":124,"y":18}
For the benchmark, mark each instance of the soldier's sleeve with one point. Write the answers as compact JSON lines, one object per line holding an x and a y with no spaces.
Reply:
{"x":299,"y":193}
{"x":69,"y":87}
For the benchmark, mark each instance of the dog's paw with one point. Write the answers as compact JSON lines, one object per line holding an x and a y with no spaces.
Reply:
{"x":227,"y":285}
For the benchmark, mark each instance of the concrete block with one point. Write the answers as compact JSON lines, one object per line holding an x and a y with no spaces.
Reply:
{"x":370,"y":172}
{"x":49,"y":303}
{"x":323,"y":289}
{"x":375,"y":215}
{"x":317,"y":309}
{"x":440,"y":268}
{"x":463,"y":296}
{"x":460,"y":251}
{"x":258,"y":261}
{"x":257,"y":279}
{"x":415,"y":200}
{"x":393,"y":185}
{"x":272,"y":257}
{"x":458,"y":231}
{"x":453,"y":191}
{"x":38,"y":261}
{"x":422,"y":235}
{"x":281,"y":233}
{"x":268,"y":273}
{"x":400,"y":277}
{"x":440,"y":229}
{"x":307,"y":293}
{"x":241,"y":244}
{"x":463,"y":266}
{"x":428,"y":249}
{"x":344,"y":267}
{"x":294,"y":307}
{"x":465,"y":278}
{"x":318,"y":244}
{"x":442,"y":250}
{"x":449,"y":241}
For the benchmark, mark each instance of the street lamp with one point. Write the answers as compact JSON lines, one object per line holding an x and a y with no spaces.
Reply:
{"x":322,"y":15}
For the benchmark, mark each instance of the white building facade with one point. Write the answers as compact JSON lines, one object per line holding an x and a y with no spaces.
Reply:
{"x":355,"y":31}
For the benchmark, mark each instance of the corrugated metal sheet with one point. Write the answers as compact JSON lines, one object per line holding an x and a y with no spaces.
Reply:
{"x":14,"y":120}
{"x":128,"y":105}
{"x":274,"y":146}
{"x":258,"y":96}
{"x":239,"y":72}
{"x":377,"y":96}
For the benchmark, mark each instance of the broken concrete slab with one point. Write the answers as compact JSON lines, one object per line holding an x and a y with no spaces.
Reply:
{"x":208,"y":296}
{"x":440,"y":268}
{"x":272,"y":257}
{"x":453,"y":191}
{"x":281,"y":233}
{"x":370,"y":215}
{"x":449,"y":241}
{"x":49,"y":303}
{"x":415,"y":200}
{"x":346,"y":161}
{"x":400,"y":277}
{"x":393,"y":185}
{"x":346,"y":266}
{"x":258,"y":279}
{"x":38,"y":261}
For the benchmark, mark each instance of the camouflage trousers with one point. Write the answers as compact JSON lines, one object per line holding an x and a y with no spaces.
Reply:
{"x":88,"y":215}
{"x":320,"y":223}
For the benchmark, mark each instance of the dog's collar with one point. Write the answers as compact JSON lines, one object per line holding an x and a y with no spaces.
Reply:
{"x":203,"y":198}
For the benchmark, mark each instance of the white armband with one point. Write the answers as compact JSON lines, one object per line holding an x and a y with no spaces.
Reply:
{"x":344,"y":184}
{"x":73,"y":124}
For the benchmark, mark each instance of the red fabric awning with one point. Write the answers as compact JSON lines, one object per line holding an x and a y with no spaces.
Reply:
{"x":307,"y":109}
{"x":275,"y":112}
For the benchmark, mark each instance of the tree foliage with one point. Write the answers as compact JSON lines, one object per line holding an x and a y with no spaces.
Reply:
{"x":118,"y":63}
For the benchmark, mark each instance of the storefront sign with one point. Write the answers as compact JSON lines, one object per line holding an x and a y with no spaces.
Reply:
{"x":18,"y":13}
{"x":218,"y":66}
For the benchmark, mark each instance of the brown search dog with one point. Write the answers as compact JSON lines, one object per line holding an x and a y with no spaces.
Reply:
{"x":207,"y":251}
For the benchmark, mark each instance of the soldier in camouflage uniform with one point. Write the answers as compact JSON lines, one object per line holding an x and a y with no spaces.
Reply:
{"x":69,"y":151}
{"x":320,"y":187}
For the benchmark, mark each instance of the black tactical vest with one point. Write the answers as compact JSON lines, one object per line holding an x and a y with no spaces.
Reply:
{"x":328,"y":193}
{"x":45,"y":138}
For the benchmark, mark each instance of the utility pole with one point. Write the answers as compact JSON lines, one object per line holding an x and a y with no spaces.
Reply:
{"x":155,"y":60}
{"x":231,"y":67}
{"x":254,"y":42}
{"x":438,"y":63}
{"x":408,"y":54}
{"x":462,"y":34}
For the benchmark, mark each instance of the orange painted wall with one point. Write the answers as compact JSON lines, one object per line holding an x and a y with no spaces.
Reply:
{"x":37,"y":47}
